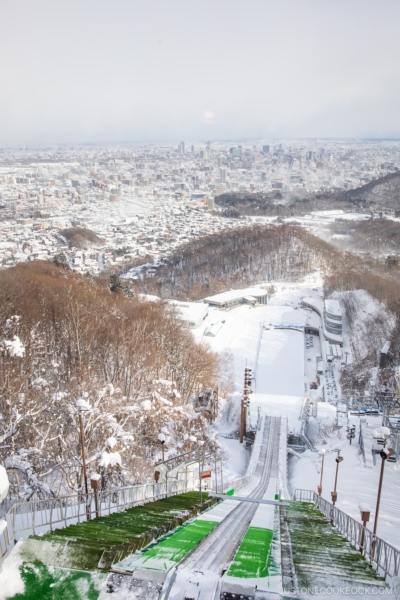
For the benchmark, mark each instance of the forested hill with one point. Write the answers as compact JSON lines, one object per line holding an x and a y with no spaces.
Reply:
{"x":239,"y":258}
{"x":376,"y":196}
{"x":80,"y":237}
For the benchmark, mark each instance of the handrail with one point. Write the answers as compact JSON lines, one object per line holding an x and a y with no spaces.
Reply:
{"x":382,"y":556}
{"x":39,"y":516}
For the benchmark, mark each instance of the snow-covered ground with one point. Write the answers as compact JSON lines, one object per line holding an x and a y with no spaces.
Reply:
{"x":280,"y":369}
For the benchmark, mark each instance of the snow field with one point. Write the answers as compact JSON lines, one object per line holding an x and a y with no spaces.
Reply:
{"x":280,"y":368}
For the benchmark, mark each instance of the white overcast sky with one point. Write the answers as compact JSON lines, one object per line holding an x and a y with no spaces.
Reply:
{"x":143,"y":70}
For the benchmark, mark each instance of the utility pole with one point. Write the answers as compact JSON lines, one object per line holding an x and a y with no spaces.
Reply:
{"x":245,"y":403}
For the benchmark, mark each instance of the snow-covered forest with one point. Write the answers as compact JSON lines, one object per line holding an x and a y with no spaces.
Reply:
{"x":238,"y":258}
{"x":65,"y":337}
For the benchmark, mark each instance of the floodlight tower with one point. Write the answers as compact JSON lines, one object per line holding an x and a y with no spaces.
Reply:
{"x":245,"y":403}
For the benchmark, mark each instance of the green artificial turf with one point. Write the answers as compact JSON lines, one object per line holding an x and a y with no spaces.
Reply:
{"x":177,"y":545}
{"x":47,"y":583}
{"x":253,"y":558}
{"x":162,"y":555}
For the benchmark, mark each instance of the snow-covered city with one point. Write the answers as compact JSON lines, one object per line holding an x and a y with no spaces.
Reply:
{"x":145,"y":201}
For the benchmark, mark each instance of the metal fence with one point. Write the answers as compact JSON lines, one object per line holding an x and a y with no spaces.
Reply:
{"x":383,"y":557}
{"x":40,"y":516}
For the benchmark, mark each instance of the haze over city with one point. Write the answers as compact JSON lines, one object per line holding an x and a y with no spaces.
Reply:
{"x":98,"y":72}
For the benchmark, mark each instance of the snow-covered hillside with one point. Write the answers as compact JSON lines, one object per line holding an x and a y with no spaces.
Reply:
{"x":367,"y":324}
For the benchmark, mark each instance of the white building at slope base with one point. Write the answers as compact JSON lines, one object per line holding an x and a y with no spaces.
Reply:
{"x":333,"y":316}
{"x":191,"y":313}
{"x":233,"y":297}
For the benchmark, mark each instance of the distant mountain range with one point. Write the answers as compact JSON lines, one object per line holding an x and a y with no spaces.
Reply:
{"x":376,"y":196}
{"x":383,"y":193}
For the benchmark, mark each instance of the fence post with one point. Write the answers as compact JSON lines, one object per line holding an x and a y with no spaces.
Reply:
{"x":34,"y":519}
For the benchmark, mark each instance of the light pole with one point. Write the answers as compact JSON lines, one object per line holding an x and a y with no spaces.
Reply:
{"x":192,"y":440}
{"x":161,"y":439}
{"x":201,"y":468}
{"x":383,"y":433}
{"x":83,"y":407}
{"x":365,"y":514}
{"x":338,"y":460}
{"x":351,"y":432}
{"x":95,"y":483}
{"x":322,"y":453}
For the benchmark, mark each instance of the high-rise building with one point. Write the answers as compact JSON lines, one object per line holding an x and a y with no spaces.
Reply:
{"x":237,"y":151}
{"x":266,"y":149}
{"x":223,"y":175}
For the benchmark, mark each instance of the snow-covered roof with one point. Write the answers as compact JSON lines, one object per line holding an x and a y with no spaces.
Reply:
{"x":232,"y":295}
{"x":190,"y":311}
{"x":333,"y":307}
{"x":313,"y":320}
{"x":315,"y":304}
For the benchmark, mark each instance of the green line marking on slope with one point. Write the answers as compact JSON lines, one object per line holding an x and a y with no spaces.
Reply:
{"x":163,"y":555}
{"x":253,"y":559}
{"x":43,"y":583}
